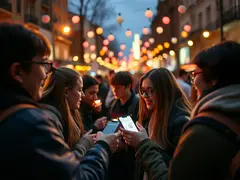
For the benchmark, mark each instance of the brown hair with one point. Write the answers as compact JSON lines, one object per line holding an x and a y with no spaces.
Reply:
{"x":54,"y":91}
{"x":167,"y":93}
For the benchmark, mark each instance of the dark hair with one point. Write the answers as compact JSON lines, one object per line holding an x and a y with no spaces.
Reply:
{"x":182,"y":72}
{"x":19,"y":44}
{"x":122,"y":78}
{"x":111,"y":72}
{"x":220,"y":63}
{"x":88,"y":81}
{"x":99,"y":77}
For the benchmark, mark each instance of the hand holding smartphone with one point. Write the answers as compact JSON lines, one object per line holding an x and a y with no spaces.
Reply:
{"x":111,"y":127}
{"x":128,"y":123}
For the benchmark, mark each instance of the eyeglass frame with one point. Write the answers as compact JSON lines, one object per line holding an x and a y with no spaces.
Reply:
{"x":147,"y":92}
{"x":193,"y":75}
{"x":42,"y":63}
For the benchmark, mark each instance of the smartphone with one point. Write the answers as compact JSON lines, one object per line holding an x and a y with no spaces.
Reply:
{"x":111,"y":127}
{"x":128,"y":123}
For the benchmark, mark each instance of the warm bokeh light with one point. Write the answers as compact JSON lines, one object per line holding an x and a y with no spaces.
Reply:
{"x":206,"y":34}
{"x":66,"y":29}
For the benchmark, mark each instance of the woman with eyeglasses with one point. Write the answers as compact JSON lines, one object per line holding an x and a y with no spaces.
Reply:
{"x":63,"y":93}
{"x":163,"y":111}
{"x":209,"y":145}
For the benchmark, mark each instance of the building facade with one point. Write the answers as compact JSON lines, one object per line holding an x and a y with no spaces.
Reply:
{"x":30,"y":12}
{"x":204,"y":18}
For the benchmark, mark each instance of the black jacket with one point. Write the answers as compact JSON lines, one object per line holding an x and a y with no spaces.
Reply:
{"x":33,"y":148}
{"x":89,"y":116}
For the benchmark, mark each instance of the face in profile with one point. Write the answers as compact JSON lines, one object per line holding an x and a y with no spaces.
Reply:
{"x":75,"y":94}
{"x":199,"y":82}
{"x":91,"y":94}
{"x":148,"y":94}
{"x":119,"y":91}
{"x":33,"y":80}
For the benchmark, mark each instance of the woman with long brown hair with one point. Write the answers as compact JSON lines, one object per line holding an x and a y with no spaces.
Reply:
{"x":163,"y":110}
{"x":63,"y":93}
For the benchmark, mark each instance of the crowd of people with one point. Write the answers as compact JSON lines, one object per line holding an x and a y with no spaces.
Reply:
{"x":52,"y":120}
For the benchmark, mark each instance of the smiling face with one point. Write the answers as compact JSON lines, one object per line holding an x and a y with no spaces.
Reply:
{"x":200,"y":84}
{"x":148,"y":94}
{"x":33,"y":79}
{"x":75,"y":94}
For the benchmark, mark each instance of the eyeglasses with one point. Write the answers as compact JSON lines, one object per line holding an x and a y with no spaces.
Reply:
{"x":46,"y":64}
{"x":146,"y":92}
{"x":193,"y":75}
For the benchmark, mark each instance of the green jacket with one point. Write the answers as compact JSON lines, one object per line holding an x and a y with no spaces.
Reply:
{"x":202,"y":153}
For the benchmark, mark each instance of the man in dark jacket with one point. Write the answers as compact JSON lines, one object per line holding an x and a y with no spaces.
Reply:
{"x":126,"y":103}
{"x":31,"y":145}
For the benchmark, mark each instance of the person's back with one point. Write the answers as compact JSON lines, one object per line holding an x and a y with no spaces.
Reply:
{"x":31,"y":145}
{"x":183,"y":76}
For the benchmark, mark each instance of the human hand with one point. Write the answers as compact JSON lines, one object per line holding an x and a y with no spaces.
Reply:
{"x":90,"y":137}
{"x":100,"y":123}
{"x":134,"y":138}
{"x":111,"y":139}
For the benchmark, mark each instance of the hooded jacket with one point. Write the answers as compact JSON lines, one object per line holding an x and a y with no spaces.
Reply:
{"x":202,"y":152}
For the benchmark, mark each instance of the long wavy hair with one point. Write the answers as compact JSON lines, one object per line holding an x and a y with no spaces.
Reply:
{"x":167,"y":93}
{"x":54,"y":93}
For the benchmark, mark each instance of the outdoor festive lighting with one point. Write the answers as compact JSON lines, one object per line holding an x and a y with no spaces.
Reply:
{"x":206,"y":34}
{"x":75,"y":58}
{"x":120,"y":54}
{"x":85,"y":44}
{"x":123,"y":47}
{"x":190,"y":43}
{"x":46,"y":19}
{"x":75,"y":19}
{"x":105,"y":42}
{"x":145,"y":30}
{"x":172,"y":53}
{"x":166,"y":20}
{"x":111,"y":37}
{"x":152,"y":40}
{"x":182,"y":9}
{"x":159,"y":30}
{"x":187,"y":28}
{"x":174,"y":40}
{"x":106,"y":59}
{"x":110,"y":54}
{"x":144,"y":49}
{"x":146,"y":44}
{"x":93,"y":56}
{"x":165,"y":55}
{"x":148,"y":13}
{"x":102,"y":52}
{"x":166,"y":45}
{"x":105,"y":48}
{"x":86,"y":56}
{"x":160,"y":47}
{"x":119,"y":19}
{"x":90,"y":34}
{"x":92,"y":47}
{"x":128,"y":33}
{"x":99,"y":30}
{"x":184,"y":34}
{"x":66,"y":29}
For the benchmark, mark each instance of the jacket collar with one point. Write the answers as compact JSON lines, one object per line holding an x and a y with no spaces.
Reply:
{"x":11,"y":96}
